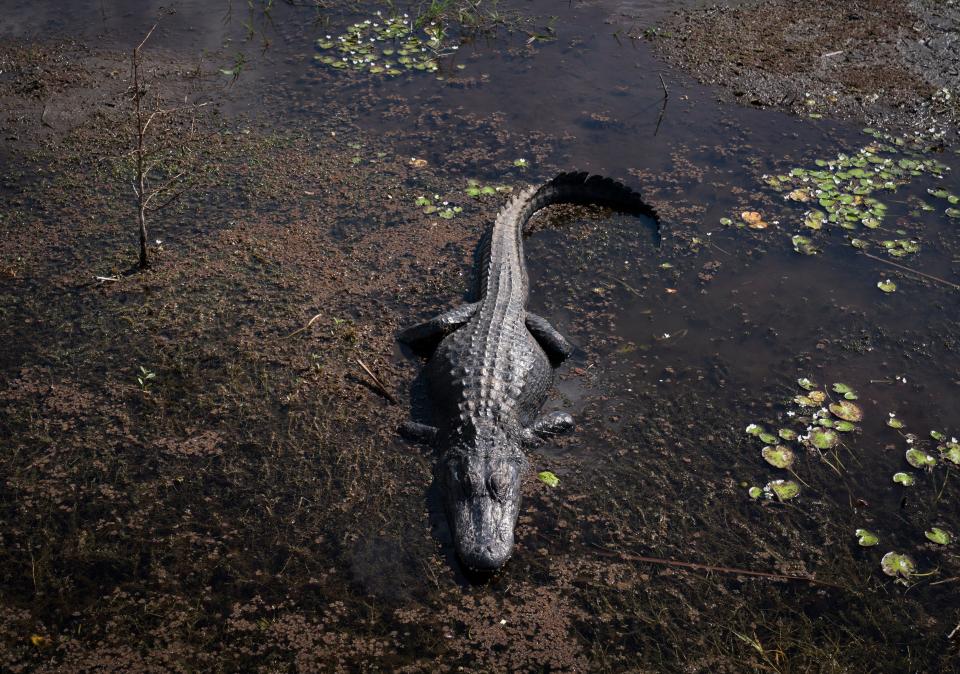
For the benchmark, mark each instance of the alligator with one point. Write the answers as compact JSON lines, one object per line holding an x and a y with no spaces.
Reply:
{"x":491,"y":368}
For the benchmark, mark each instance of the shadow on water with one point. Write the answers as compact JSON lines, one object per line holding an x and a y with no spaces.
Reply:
{"x":251,"y":506}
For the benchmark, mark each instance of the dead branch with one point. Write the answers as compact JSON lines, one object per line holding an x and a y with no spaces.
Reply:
{"x":376,"y":380}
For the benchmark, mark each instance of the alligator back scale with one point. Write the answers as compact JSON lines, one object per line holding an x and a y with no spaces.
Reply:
{"x":490,"y":373}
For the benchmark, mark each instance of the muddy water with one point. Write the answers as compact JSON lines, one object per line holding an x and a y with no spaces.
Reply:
{"x":680,"y":346}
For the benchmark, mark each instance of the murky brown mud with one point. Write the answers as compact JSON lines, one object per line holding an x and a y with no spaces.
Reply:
{"x":250,"y":506}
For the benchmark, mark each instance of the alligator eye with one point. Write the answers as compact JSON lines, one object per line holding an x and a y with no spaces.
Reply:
{"x":498,"y":483}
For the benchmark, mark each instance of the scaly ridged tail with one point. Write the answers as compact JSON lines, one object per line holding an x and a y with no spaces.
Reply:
{"x":566,"y":188}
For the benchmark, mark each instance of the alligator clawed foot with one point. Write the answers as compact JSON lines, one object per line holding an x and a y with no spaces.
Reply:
{"x":555,"y":423}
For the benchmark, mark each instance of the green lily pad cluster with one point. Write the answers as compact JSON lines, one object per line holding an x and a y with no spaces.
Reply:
{"x":823,"y":422}
{"x":476,"y":190}
{"x":921,"y":455}
{"x":386,"y":46}
{"x":442,"y":209}
{"x":842,"y":192}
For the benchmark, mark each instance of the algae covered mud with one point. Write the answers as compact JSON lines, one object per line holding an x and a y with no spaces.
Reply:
{"x":197,"y":474}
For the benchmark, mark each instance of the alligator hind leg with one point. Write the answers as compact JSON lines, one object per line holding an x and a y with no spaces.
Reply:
{"x":426,"y":334}
{"x":555,"y":423}
{"x":553,"y":343}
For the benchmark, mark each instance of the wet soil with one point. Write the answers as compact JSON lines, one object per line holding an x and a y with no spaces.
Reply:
{"x":894,"y":63}
{"x":250,"y":507}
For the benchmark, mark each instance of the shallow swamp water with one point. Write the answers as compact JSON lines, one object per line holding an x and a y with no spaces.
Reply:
{"x":197,"y":474}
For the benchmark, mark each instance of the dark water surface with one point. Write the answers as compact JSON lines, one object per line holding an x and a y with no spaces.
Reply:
{"x":674,"y":360}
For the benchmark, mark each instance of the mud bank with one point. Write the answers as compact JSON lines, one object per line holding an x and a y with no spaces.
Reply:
{"x":890,"y":63}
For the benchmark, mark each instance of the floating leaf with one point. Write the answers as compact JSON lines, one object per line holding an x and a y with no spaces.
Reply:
{"x":887,"y":286}
{"x":936,"y":435}
{"x":920,"y":459}
{"x":894,"y":422}
{"x":768,"y":438}
{"x":897,"y":565}
{"x":866,"y":538}
{"x":548,"y":478}
{"x":806,"y":384}
{"x":938,"y":535}
{"x":847,"y":410}
{"x":804,"y":401}
{"x":754,"y":429}
{"x":753,"y":219}
{"x":906,"y":479}
{"x":755,"y":492}
{"x":726,"y":222}
{"x":823,"y":438}
{"x":804,"y":245}
{"x":951,"y":452}
{"x":787,"y":434}
{"x":779,"y":456}
{"x":841,"y":388}
{"x":817,"y":396}
{"x":953,"y":212}
{"x":784,"y":489}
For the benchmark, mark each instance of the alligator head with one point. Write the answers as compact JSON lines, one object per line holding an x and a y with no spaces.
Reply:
{"x":482,"y":496}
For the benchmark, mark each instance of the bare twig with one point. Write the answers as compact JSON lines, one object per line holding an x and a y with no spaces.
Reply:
{"x":376,"y":380}
{"x":663,"y":108}
{"x":108,"y":279}
{"x":953,"y":631}
{"x":305,"y":327}
{"x":716,"y":569}
{"x":929,"y":277}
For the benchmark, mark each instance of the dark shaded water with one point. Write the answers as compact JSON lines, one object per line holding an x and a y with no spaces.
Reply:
{"x":673,"y":363}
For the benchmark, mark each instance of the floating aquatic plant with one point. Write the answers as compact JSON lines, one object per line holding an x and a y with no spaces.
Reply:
{"x":939,"y":536}
{"x":548,"y":478}
{"x":898,"y":565}
{"x":755,"y":492}
{"x":866,"y":538}
{"x":778,"y":456}
{"x":887,"y":286}
{"x":846,"y":410}
{"x":920,"y":459}
{"x":906,"y":479}
{"x":386,"y":46}
{"x":783,"y":489}
{"x":823,"y":438}
{"x":894,"y":422}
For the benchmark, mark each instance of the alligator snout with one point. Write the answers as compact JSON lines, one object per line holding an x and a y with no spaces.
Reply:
{"x":483,"y":501}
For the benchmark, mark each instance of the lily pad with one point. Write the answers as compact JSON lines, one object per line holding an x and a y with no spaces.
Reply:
{"x":754,"y":429}
{"x":841,"y":388}
{"x":898,"y":565}
{"x":755,"y":492}
{"x":778,"y":456}
{"x":548,"y":478}
{"x":783,"y":489}
{"x":753,"y":219}
{"x":817,"y":396}
{"x":920,"y":459}
{"x":804,"y":401}
{"x":906,"y":479}
{"x":951,"y":452}
{"x":787,"y":434}
{"x":806,"y":384}
{"x":846,"y":410}
{"x":894,"y":422}
{"x":866,"y":538}
{"x":936,"y":435}
{"x":844,"y":426}
{"x":824,"y":438}
{"x":938,"y":535}
{"x":768,"y":438}
{"x":887,"y":286}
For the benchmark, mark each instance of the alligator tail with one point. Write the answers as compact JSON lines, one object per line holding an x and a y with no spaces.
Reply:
{"x":583,"y":188}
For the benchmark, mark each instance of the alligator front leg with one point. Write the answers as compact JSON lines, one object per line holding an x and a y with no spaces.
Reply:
{"x":429,"y":332}
{"x":418,"y":432}
{"x":552,"y":342}
{"x":555,"y":423}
